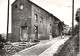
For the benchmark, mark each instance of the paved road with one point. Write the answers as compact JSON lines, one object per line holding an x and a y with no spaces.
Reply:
{"x":53,"y":49}
{"x":38,"y":49}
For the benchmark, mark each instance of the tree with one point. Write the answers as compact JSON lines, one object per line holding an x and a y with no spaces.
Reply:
{"x":77,"y":15}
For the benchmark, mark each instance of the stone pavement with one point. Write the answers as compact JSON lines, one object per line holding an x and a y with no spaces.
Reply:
{"x":41,"y":48}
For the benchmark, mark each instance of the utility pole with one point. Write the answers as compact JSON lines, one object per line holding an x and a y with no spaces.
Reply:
{"x":8,"y":19}
{"x":72,"y":18}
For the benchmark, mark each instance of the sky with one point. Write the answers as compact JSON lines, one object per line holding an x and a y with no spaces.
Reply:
{"x":62,"y":9}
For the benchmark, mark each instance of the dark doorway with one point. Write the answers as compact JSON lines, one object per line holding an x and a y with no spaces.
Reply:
{"x":36,"y":32}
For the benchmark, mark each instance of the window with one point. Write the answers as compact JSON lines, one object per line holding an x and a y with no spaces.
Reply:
{"x":41,"y":20}
{"x":21,"y":6}
{"x":15,"y":6}
{"x":36,"y":29}
{"x":50,"y":19}
{"x":36,"y":18}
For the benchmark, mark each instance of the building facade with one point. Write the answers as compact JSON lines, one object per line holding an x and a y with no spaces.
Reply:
{"x":31,"y":22}
{"x":66,"y":29}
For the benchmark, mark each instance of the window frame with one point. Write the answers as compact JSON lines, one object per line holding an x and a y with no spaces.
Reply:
{"x":36,"y":18}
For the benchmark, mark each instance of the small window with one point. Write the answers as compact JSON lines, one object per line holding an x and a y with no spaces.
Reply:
{"x":36,"y":29}
{"x":36,"y":18}
{"x":41,"y":20}
{"x":21,"y":6}
{"x":50,"y":19}
{"x":15,"y":6}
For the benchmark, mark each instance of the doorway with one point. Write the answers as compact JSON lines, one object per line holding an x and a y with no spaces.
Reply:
{"x":36,"y":32}
{"x":24,"y":34}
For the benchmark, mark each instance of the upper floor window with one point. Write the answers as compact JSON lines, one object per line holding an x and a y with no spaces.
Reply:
{"x":50,"y":19}
{"x":41,"y":20}
{"x":15,"y":6}
{"x":36,"y":18}
{"x":21,"y":6}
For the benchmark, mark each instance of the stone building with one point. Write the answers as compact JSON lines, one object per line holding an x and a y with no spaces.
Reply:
{"x":66,"y":29}
{"x":31,"y":22}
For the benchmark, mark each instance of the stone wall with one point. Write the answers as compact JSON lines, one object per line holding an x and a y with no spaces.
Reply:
{"x":44,"y":27}
{"x":20,"y":16}
{"x":23,"y":17}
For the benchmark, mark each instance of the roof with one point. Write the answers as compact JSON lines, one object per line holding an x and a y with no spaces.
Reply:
{"x":43,"y":9}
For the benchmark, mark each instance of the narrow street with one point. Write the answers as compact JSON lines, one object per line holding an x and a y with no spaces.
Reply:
{"x":53,"y":49}
{"x":41,"y":48}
